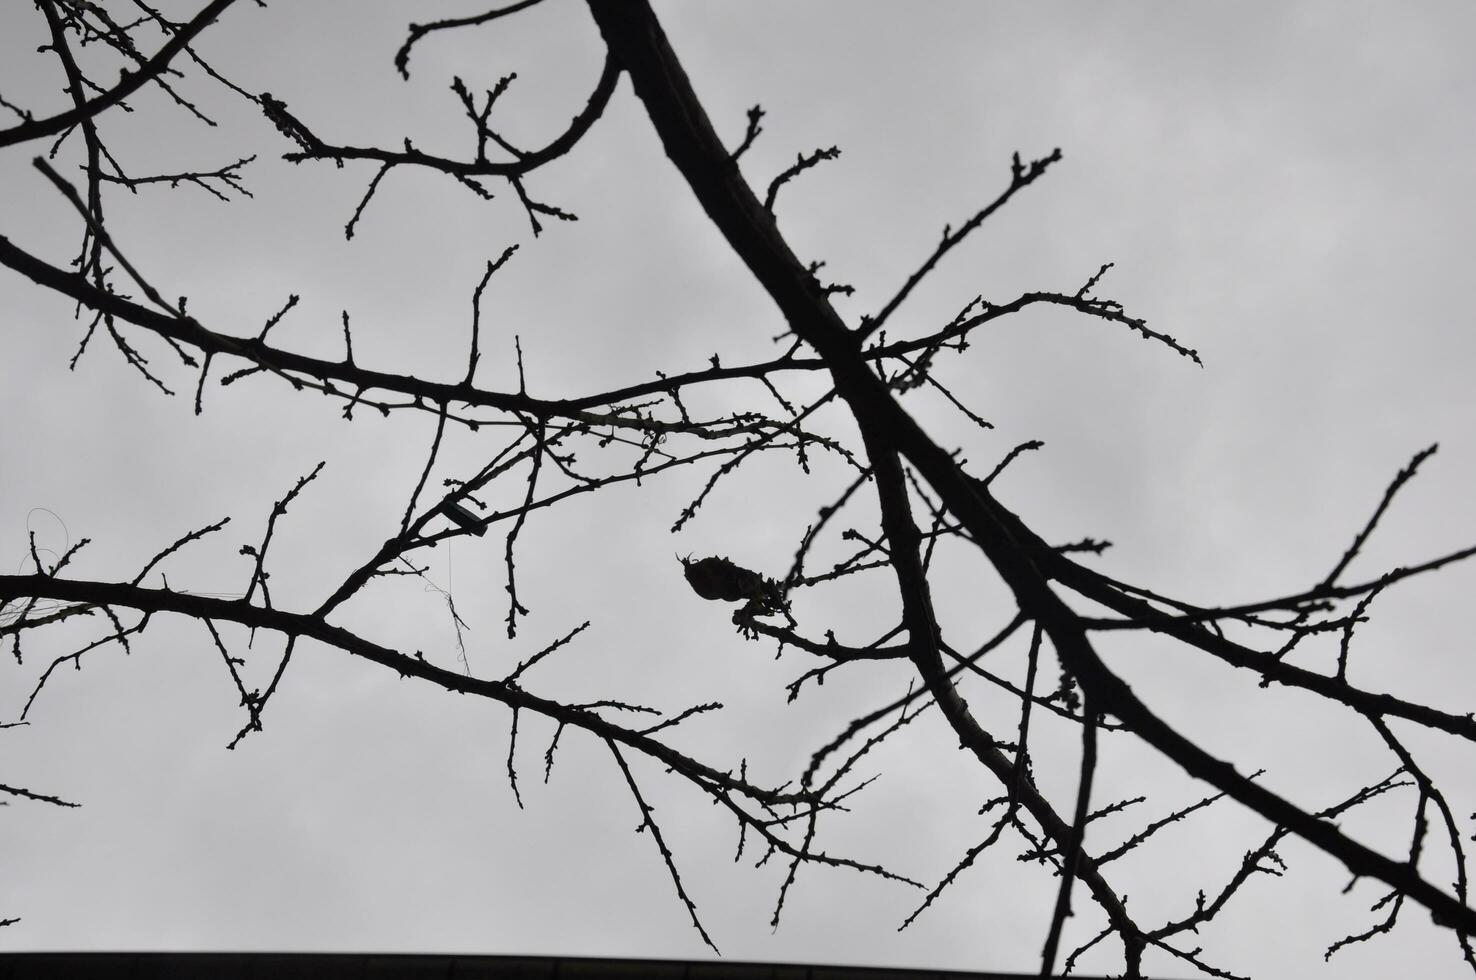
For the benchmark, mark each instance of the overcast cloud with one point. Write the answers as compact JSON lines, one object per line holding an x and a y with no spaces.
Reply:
{"x":1284,"y":187}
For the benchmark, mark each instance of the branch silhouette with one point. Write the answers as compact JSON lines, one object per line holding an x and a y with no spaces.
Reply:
{"x":885,"y":486}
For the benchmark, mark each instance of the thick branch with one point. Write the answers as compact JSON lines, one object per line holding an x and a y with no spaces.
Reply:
{"x":631,"y":30}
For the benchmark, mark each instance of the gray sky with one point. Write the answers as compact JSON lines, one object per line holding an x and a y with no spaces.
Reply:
{"x":1284,"y":187}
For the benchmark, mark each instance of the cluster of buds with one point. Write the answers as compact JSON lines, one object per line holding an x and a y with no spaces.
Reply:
{"x":719,"y":578}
